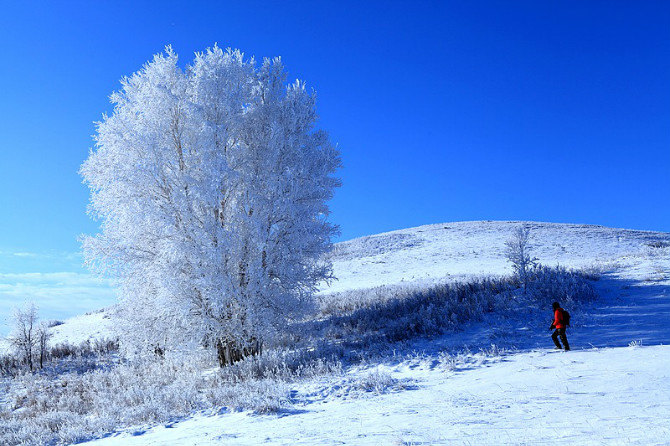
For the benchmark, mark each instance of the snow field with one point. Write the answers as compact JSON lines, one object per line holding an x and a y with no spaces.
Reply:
{"x":615,"y":396}
{"x":534,"y":396}
{"x":444,"y":395}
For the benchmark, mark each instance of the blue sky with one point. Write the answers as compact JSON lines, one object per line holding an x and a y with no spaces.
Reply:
{"x":443,"y":111}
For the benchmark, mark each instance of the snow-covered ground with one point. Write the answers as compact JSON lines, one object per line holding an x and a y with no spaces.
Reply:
{"x":595,"y":396}
{"x":602,"y":392}
{"x":612,"y":388}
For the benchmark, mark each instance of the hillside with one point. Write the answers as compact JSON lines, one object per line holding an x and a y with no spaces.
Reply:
{"x":611,"y":389}
{"x":493,"y":381}
{"x":469,"y":248}
{"x":452,"y":251}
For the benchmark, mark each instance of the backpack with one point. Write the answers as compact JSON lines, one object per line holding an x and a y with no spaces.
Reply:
{"x":566,"y":317}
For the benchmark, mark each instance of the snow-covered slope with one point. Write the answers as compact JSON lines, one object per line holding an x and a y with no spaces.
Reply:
{"x":79,"y":329}
{"x":450,"y":251}
{"x":462,"y":249}
{"x":603,"y":392}
{"x":612,"y":396}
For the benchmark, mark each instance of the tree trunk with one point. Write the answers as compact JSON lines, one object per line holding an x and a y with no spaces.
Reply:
{"x":229,"y":353}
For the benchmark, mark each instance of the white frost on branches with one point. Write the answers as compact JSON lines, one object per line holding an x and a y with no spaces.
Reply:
{"x":30,"y":337}
{"x":211,"y":184}
{"x":518,"y":252}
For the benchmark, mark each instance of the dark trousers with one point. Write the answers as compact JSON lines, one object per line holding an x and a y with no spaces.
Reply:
{"x":560,"y":332}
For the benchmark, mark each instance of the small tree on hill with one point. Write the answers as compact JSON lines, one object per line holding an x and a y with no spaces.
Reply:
{"x":44,"y":335}
{"x":518,"y":252}
{"x":24,"y":336}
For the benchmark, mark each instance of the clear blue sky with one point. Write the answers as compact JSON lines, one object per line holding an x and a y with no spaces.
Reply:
{"x":552,"y":111}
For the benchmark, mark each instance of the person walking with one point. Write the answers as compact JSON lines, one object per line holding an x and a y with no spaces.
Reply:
{"x":561,"y":322}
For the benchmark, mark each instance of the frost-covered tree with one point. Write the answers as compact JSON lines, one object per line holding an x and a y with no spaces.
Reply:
{"x":24,"y":336}
{"x":518,"y":252}
{"x":43,"y":335}
{"x":211,"y":183}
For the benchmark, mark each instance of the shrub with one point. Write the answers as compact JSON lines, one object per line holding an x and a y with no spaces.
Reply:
{"x":560,"y":284}
{"x":73,"y":406}
{"x":376,"y":381}
{"x":659,"y":244}
{"x":388,"y":314}
{"x":403,"y":313}
{"x":66,"y":357}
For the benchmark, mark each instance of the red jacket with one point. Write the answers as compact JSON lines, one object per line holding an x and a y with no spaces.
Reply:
{"x":558,"y":318}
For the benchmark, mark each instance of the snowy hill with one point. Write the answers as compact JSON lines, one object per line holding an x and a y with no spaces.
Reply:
{"x":459,"y":388}
{"x":593,"y":395}
{"x":79,"y":329}
{"x":451,"y":251}
{"x":462,"y":249}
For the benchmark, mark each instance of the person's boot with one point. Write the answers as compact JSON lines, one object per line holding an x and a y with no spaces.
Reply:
{"x":556,"y":343}
{"x":566,"y":346}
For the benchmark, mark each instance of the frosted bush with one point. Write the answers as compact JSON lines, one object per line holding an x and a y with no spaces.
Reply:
{"x":559,"y":284}
{"x":366,"y":320}
{"x":466,"y":359}
{"x":376,"y":381}
{"x":450,"y":362}
{"x":493,"y":350}
{"x":518,"y":252}
{"x":396,"y":314}
{"x":261,"y":396}
{"x":72,"y":407}
{"x":66,"y":357}
{"x":595,"y":271}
